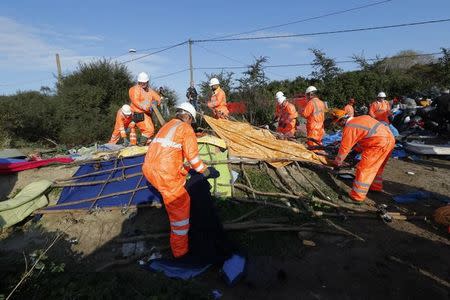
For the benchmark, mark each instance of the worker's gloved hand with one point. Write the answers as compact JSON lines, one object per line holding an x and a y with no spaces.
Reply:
{"x":126,"y":142}
{"x":211,"y":172}
{"x":336,"y":163}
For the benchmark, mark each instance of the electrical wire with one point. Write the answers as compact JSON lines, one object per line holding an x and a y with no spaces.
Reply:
{"x":170,"y":74}
{"x":324,"y":32}
{"x":155,"y":52}
{"x":305,"y":19}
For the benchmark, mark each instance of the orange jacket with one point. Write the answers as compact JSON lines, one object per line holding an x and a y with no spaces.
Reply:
{"x":141,"y":101}
{"x":173,"y":144}
{"x":364,"y":130}
{"x":314,"y":113}
{"x":218,"y":102}
{"x":287,"y":116}
{"x":380,"y":110}
{"x":122,"y":123}
{"x":349,"y":110}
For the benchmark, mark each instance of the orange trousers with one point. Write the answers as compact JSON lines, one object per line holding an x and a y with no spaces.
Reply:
{"x":146,"y":127}
{"x":179,"y":213}
{"x":316,"y":134}
{"x":369,"y":171}
{"x":116,"y":135}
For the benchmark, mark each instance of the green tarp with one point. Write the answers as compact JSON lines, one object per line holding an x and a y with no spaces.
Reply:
{"x":29,"y":199}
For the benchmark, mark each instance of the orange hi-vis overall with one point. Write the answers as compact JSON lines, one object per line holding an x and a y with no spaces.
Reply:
{"x":380,"y":110}
{"x":123,"y":122}
{"x":287,"y":117}
{"x":314,"y":113}
{"x":141,"y":102}
{"x":164,"y":168}
{"x":349,"y":110}
{"x":376,"y":142}
{"x":218,"y":104}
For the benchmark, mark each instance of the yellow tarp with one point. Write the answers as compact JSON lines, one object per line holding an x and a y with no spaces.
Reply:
{"x":133,"y":151}
{"x":244,"y":140}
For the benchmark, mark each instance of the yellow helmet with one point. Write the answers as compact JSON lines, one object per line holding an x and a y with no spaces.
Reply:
{"x":338,"y":114}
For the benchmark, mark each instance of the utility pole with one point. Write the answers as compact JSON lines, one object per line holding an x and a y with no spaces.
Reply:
{"x":58,"y":66}
{"x":191,"y":68}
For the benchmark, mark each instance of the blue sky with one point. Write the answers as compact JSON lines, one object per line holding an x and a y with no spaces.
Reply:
{"x":31,"y":32}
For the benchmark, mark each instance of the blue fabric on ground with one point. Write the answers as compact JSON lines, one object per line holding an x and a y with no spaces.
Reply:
{"x":176,"y":269}
{"x":11,"y":160}
{"x":330,"y":139}
{"x":394,"y":130}
{"x":233,"y":268}
{"x":147,"y":195}
{"x":412,"y":197}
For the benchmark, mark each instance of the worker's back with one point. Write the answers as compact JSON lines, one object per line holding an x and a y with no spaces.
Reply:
{"x":367,"y":132}
{"x":314,"y":113}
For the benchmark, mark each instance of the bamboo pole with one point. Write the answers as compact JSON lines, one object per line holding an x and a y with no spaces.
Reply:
{"x":105,"y":183}
{"x":59,"y":185}
{"x":97,"y":173}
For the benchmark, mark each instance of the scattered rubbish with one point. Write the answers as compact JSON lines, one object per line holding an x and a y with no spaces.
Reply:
{"x":233,"y":269}
{"x":73,"y":241}
{"x":410,"y":173}
{"x":421,"y":148}
{"x":176,"y":268}
{"x":309,"y":243}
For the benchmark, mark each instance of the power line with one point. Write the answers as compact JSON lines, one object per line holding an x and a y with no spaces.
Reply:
{"x":155,"y":52}
{"x":324,"y":32}
{"x":170,"y":74}
{"x":313,"y":64}
{"x":304,"y":20}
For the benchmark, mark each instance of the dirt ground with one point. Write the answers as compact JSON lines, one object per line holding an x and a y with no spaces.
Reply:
{"x":280,"y":266}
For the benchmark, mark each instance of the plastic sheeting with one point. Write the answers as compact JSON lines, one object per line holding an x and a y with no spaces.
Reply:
{"x":244,"y":140}
{"x":75,"y":197}
{"x":13,"y":167}
{"x":29,"y":199}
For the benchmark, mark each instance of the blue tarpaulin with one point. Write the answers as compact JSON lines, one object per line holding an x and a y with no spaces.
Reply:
{"x":145,"y":194}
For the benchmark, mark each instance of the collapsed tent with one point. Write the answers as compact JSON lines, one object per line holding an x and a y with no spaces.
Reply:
{"x":246,"y":141}
{"x":9,"y":166}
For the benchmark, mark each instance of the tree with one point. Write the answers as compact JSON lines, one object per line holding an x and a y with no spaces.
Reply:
{"x":325,"y":68}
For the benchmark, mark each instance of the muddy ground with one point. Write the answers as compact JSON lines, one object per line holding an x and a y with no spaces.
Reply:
{"x":280,"y":266}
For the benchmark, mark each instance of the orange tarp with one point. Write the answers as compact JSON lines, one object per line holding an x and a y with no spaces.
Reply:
{"x":243,"y":140}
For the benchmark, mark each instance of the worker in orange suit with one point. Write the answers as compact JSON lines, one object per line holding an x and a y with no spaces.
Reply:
{"x":142,"y":97}
{"x":349,"y":109}
{"x":165,"y":169}
{"x":218,"y":102}
{"x":286,"y":114}
{"x":376,"y":142}
{"x":314,"y":113}
{"x":380,"y":109}
{"x":124,"y":121}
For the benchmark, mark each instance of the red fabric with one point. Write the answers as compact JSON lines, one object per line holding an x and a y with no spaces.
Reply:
{"x":236,"y":107}
{"x":300,"y":103}
{"x":10,"y":168}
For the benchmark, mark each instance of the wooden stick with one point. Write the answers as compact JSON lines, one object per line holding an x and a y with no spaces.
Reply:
{"x":106,"y":182}
{"x":69,"y":184}
{"x":329,"y":222}
{"x":276,"y":179}
{"x":247,"y":179}
{"x":421,"y":271}
{"x":246,"y":214}
{"x":265,"y":203}
{"x":321,"y":194}
{"x":97,"y":173}
{"x":84,"y":211}
{"x":134,"y":192}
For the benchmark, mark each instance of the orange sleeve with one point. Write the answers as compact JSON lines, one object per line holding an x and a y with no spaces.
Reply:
{"x":221,"y":98}
{"x":277,"y":111}
{"x":120,"y":124}
{"x":155,"y":96}
{"x":309,"y":109}
{"x":349,"y":139}
{"x":292,"y":112}
{"x":190,"y":149}
{"x":134,"y":95}
{"x":372,"y":110}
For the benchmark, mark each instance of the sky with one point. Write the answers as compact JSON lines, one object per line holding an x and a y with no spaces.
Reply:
{"x":32,"y":32}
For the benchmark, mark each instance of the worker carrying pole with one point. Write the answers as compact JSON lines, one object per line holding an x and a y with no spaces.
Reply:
{"x":374,"y":140}
{"x":380,"y":109}
{"x":142,"y":98}
{"x":218,"y":102}
{"x":164,"y":168}
{"x":286,"y":115}
{"x":124,"y":123}
{"x":314,"y":113}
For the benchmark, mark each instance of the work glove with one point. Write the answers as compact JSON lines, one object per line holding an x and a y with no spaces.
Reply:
{"x":211,"y":172}
{"x":126,"y":142}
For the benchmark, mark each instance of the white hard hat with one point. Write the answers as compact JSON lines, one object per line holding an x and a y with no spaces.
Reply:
{"x":186,"y":106}
{"x":310,"y":89}
{"x":143,"y":77}
{"x":381,"y":95}
{"x":126,"y":110}
{"x":278,"y":94}
{"x":214,"y":81}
